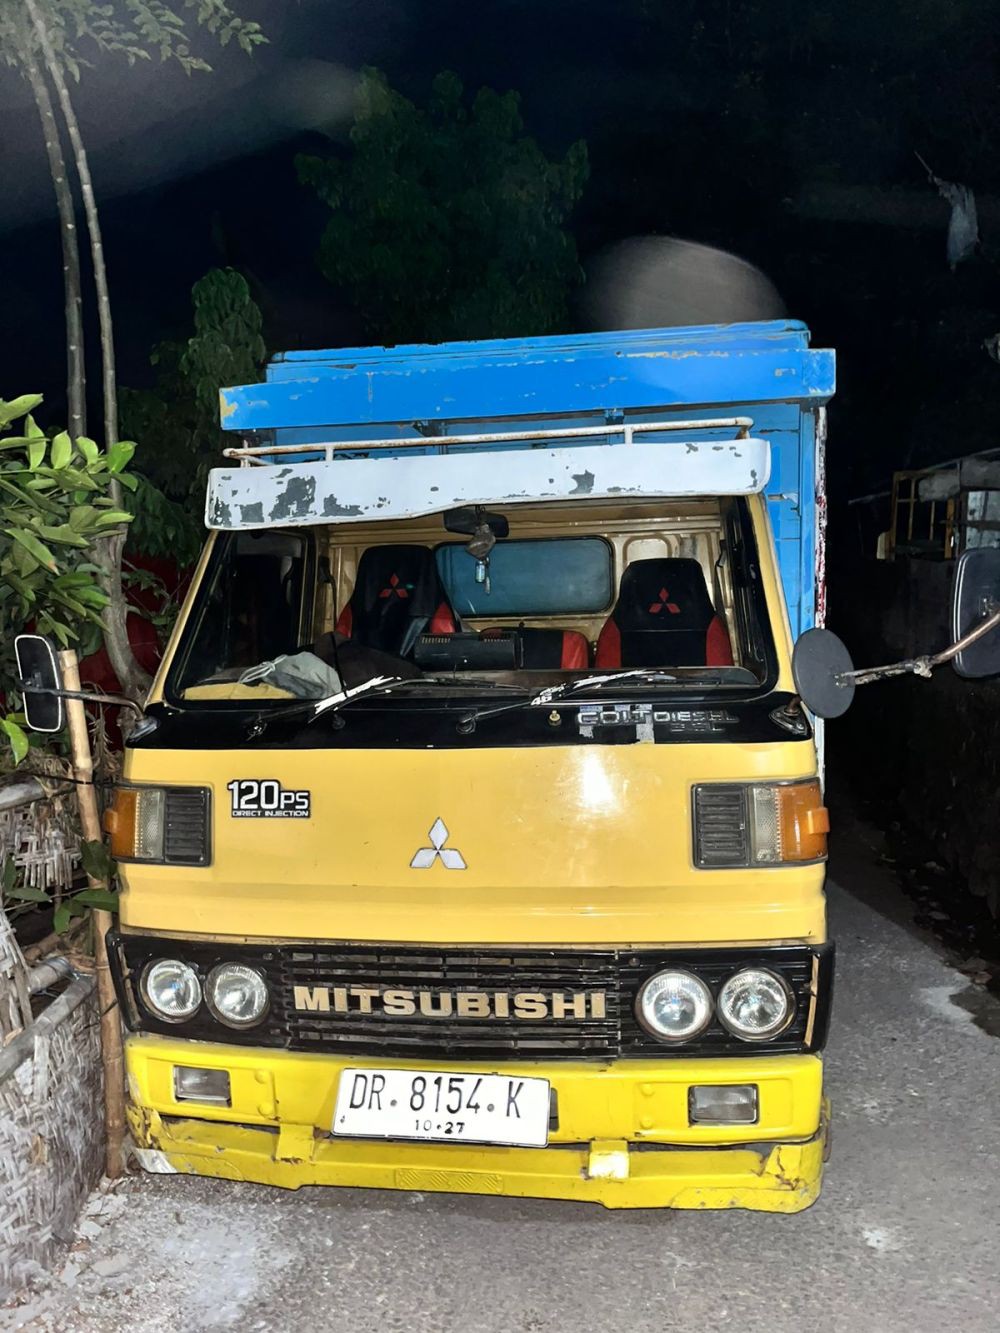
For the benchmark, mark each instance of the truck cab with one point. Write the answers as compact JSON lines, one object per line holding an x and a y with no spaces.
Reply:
{"x":473,"y":839}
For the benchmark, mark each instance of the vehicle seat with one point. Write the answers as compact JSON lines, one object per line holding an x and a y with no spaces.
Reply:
{"x":397,"y":596}
{"x":550,"y":649}
{"x":554,"y":650}
{"x":663,"y":617}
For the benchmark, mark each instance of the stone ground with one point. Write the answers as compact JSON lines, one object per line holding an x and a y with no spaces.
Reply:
{"x":906,"y":1235}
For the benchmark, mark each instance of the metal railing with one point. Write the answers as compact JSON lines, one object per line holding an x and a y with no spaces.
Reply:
{"x":260,"y":455}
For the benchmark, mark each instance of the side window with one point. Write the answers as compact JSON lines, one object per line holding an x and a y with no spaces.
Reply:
{"x":253,"y":609}
{"x":745,"y":573}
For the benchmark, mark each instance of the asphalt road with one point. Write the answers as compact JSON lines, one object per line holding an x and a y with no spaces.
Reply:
{"x":906,"y":1235}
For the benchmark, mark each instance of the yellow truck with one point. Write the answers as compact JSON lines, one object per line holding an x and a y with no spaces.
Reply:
{"x":473,"y":838}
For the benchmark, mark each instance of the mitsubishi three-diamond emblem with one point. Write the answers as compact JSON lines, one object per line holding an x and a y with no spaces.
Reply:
{"x":425,"y":857}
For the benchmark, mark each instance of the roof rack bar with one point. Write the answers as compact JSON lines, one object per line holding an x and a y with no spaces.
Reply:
{"x":258,"y":455}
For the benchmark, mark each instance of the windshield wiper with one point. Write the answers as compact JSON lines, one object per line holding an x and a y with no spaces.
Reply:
{"x":379,"y":684}
{"x":647,"y":675}
{"x":638,"y":675}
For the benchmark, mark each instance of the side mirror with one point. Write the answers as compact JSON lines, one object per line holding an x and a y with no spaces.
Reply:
{"x":975,"y":596}
{"x":39,"y":681}
{"x":819,"y":661}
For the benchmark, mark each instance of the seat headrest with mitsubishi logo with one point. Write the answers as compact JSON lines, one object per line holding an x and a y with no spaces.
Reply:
{"x":397,"y":594}
{"x":664,"y":617}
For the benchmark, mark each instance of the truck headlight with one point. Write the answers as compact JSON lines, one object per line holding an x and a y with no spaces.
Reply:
{"x":236,"y":995}
{"x":171,"y":989}
{"x":755,"y":1004}
{"x":674,"y":1005}
{"x":758,"y":824}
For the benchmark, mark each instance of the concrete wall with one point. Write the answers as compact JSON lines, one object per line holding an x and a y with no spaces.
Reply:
{"x":927,"y":752}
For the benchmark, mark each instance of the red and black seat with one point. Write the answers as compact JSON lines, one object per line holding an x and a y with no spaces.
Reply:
{"x":663,"y":617}
{"x":553,"y":650}
{"x":549,"y":649}
{"x":397,"y":596}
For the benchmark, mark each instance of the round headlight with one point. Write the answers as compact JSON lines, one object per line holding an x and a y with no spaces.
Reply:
{"x":674,"y":1006}
{"x":171,"y":989}
{"x":755,"y":1004}
{"x":236,"y":995}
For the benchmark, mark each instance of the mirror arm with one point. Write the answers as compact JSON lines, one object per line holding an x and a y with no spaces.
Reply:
{"x":922,"y":666}
{"x":88,"y":696}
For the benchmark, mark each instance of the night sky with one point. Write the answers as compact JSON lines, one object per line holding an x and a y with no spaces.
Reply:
{"x":785,"y":133}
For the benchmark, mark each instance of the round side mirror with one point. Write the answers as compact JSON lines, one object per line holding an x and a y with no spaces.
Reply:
{"x":818,"y":659}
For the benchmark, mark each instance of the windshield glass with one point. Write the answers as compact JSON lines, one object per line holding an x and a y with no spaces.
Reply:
{"x":664,"y":597}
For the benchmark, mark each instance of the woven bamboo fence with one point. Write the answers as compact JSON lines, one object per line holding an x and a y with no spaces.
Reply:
{"x":51,"y":1126}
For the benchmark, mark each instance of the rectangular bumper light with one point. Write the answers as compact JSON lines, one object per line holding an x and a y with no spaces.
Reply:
{"x":724,"y":1104}
{"x":208,"y":1086}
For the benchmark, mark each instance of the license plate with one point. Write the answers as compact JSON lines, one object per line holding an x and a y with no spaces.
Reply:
{"x":427,"y":1104}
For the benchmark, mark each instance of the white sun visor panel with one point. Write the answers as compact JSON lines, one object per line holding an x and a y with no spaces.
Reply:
{"x":355,"y":490}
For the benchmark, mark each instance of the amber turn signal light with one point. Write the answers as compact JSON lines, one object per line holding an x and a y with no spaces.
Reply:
{"x":134,"y":821}
{"x":803,"y":821}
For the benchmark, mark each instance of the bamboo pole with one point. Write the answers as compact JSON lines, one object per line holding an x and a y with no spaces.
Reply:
{"x":111,"y":1032}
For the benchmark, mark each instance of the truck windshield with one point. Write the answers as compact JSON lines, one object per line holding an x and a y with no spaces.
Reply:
{"x":657,"y":601}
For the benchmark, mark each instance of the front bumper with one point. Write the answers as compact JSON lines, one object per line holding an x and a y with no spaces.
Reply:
{"x":621,"y":1137}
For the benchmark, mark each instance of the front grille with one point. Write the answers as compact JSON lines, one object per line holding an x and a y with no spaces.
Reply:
{"x":185,"y":826}
{"x":721,"y":831}
{"x":599,"y":1035}
{"x":534,"y":973}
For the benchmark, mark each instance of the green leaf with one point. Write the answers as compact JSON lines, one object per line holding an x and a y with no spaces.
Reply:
{"x":26,"y":893}
{"x":8,"y":876}
{"x":81,"y":517}
{"x":100,"y":898}
{"x":36,"y":453}
{"x":120,"y":455}
{"x":62,"y":451}
{"x":18,"y":740}
{"x":96,"y":860}
{"x":129,"y":482}
{"x":63,"y":533}
{"x":112,"y":517}
{"x":23,"y":497}
{"x":61,"y":917}
{"x":34,"y":548}
{"x":88,"y":448}
{"x":71,"y":478}
{"x":18,"y":407}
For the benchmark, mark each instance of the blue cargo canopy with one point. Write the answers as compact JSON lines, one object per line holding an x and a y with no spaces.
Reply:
{"x":596,"y":383}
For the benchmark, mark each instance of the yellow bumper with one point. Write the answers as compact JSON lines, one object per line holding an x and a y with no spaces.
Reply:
{"x":623,"y":1138}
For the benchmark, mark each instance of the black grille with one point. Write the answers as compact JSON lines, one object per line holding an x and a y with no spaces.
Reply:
{"x":618,"y":974}
{"x":185,"y":832}
{"x":536,"y":973}
{"x":721,"y":833}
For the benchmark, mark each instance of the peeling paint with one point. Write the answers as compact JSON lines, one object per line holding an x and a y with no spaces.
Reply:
{"x":296,"y":500}
{"x":332,"y":508}
{"x":350,"y":489}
